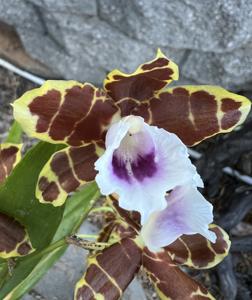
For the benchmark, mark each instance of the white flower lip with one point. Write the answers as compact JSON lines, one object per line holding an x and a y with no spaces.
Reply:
{"x":141,"y":163}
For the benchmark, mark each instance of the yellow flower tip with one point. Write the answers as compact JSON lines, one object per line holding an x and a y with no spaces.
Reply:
{"x":160,"y":53}
{"x":173,"y":65}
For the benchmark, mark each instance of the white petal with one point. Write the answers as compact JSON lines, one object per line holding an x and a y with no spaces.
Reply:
{"x":187,"y":212}
{"x":173,"y":159}
{"x":149,"y":162}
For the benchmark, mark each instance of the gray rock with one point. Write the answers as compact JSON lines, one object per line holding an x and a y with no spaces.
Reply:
{"x":134,"y":291}
{"x":210,"y":40}
{"x":217,"y":26}
{"x":83,"y":40}
{"x":232,"y":69}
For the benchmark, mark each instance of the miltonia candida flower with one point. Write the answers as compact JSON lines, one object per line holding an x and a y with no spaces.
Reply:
{"x":133,"y":131}
{"x":141,"y":163}
{"x":111,"y":270}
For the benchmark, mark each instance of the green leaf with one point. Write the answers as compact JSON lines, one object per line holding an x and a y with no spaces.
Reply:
{"x":15,"y":133}
{"x":3,"y":271}
{"x":77,"y":208}
{"x":17,"y":197}
{"x":28,"y":271}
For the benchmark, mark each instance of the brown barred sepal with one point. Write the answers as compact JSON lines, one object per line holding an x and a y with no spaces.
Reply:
{"x":195,"y":113}
{"x":197,"y":252}
{"x":169,"y":281}
{"x":67,"y":170}
{"x":142,"y":84}
{"x":106,"y":231}
{"x":14,"y":239}
{"x":62,"y":111}
{"x":110,"y":271}
{"x":132,"y":218}
{"x":10,"y":155}
{"x":116,"y":229}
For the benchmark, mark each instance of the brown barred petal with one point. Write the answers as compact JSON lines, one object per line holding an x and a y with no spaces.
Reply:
{"x":10,"y":155}
{"x":109,"y":272}
{"x":142,"y":84}
{"x":169,"y":281}
{"x":132,"y":218}
{"x":67,"y":170}
{"x":197,"y":252}
{"x":115,"y":229}
{"x":14,"y":239}
{"x":121,"y":230}
{"x":106,"y":231}
{"x":65,"y":112}
{"x":195,"y":113}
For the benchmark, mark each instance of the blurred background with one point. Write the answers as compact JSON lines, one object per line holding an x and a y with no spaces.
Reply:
{"x":211,"y":41}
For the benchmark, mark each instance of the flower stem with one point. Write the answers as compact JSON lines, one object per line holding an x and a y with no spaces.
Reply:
{"x":87,"y":236}
{"x":85,"y":244}
{"x":101,"y":209}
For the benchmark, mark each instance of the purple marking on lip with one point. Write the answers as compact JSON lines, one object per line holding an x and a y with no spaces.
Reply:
{"x":119,"y":168}
{"x":144,"y":166}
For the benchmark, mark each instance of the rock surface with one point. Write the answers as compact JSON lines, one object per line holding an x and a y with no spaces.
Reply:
{"x":210,"y":40}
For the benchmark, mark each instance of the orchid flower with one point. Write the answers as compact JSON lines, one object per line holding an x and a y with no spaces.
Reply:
{"x":141,"y":163}
{"x":14,"y":239}
{"x":111,"y":270}
{"x":134,"y":132}
{"x":131,"y":137}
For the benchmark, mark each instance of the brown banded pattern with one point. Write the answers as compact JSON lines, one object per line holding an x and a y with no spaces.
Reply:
{"x":65,"y":112}
{"x":106,"y":231}
{"x":77,"y":114}
{"x":144,"y":82}
{"x":134,"y":107}
{"x":10,"y":155}
{"x":162,"y":268}
{"x":116,"y":227}
{"x":197,"y":252}
{"x":110,"y":271}
{"x":121,"y":230}
{"x":195,"y":113}
{"x":14,"y":239}
{"x":67,"y":170}
{"x":132,"y":218}
{"x":169,"y":281}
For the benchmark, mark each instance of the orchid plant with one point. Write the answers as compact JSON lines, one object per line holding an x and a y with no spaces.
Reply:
{"x":131,"y":138}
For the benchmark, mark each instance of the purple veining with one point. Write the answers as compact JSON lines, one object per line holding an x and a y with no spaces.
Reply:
{"x":144,"y":166}
{"x":119,"y":168}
